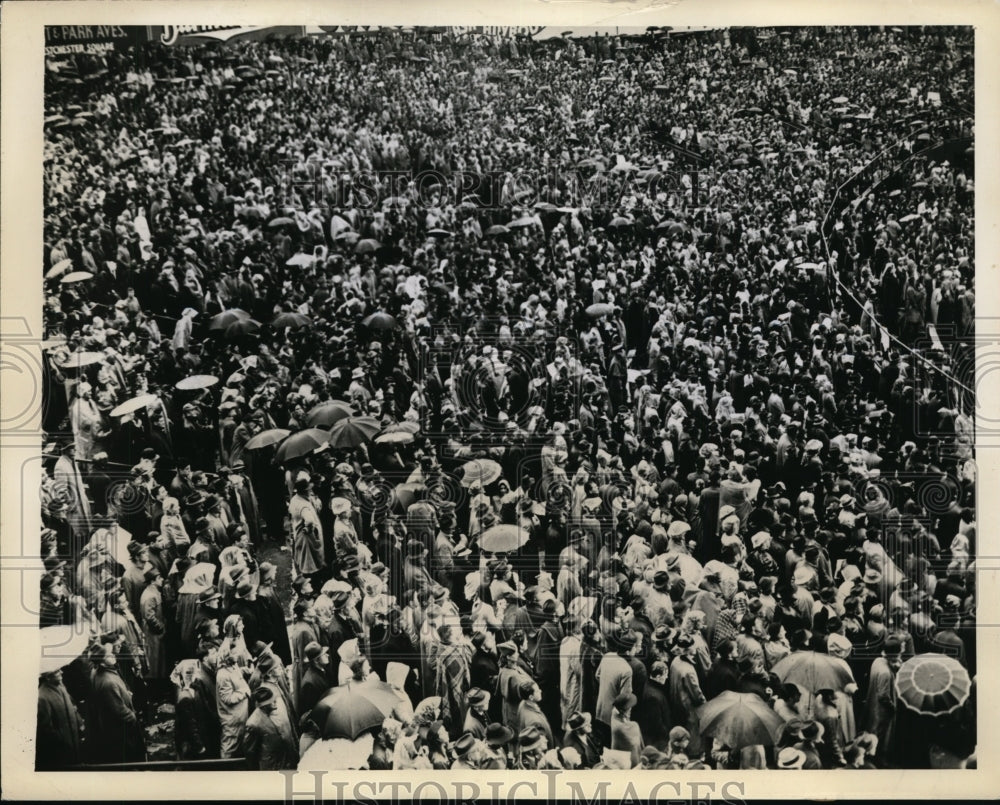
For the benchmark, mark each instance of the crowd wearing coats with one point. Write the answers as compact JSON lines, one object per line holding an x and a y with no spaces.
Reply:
{"x":568,"y":466}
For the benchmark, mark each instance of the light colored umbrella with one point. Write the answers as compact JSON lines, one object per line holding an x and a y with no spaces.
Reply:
{"x":300,"y":259}
{"x":61,"y":645}
{"x":523,"y":221}
{"x":599,"y":309}
{"x":281,"y":221}
{"x":933,"y":684}
{"x":739,"y":719}
{"x":481,"y":471}
{"x":338,"y":753}
{"x":78,"y":360}
{"x":195,"y":382}
{"x":300,"y":444}
{"x":503,"y":538}
{"x":266,"y":438}
{"x":352,"y":431}
{"x":394,"y":437}
{"x":135,"y":404}
{"x":327,"y":413}
{"x":497,"y":229}
{"x":59,"y":268}
{"x":76,"y":276}
{"x":814,"y":671}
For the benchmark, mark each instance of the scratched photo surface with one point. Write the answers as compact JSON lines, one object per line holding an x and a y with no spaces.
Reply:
{"x":528,"y":398}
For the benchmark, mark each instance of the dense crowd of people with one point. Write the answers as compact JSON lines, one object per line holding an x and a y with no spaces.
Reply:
{"x":443,"y":401}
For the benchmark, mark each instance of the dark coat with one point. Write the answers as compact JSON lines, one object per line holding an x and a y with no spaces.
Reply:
{"x":653,"y":715}
{"x":122,"y":739}
{"x":57,"y":733}
{"x":268,"y":747}
{"x":314,"y":685}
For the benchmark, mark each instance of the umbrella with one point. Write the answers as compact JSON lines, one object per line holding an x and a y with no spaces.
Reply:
{"x":327,"y":413}
{"x":503,"y":538}
{"x":352,"y":431}
{"x":405,"y":494}
{"x":293,"y":320}
{"x":933,"y":684}
{"x":300,"y":444}
{"x":195,"y":382}
{"x":220,"y":321}
{"x":135,"y":404}
{"x":739,"y":719}
{"x":282,"y":221}
{"x":814,"y":671}
{"x":439,"y":233}
{"x":480,"y":470}
{"x":337,"y":753}
{"x":620,"y":221}
{"x":367,"y":246}
{"x":497,"y":229}
{"x":840,"y":99}
{"x":911,"y":217}
{"x":403,"y":427}
{"x":239,"y":329}
{"x":599,"y":309}
{"x":61,"y":645}
{"x":524,"y":220}
{"x":301,"y":259}
{"x":266,"y":438}
{"x":76,"y":276}
{"x":379,"y":321}
{"x":394,"y":437}
{"x":342,"y":713}
{"x":80,"y":359}
{"x":59,"y":268}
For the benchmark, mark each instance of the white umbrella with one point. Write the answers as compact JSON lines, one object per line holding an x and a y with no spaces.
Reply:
{"x":338,"y":753}
{"x":61,"y":645}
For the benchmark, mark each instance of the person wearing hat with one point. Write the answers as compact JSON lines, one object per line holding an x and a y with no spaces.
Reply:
{"x":477,"y":716}
{"x":529,"y":713}
{"x":579,"y":735}
{"x":314,"y":682}
{"x":812,"y":736}
{"x":511,"y":677}
{"x":882,"y":700}
{"x":790,"y":758}
{"x":114,"y":718}
{"x":133,"y":580}
{"x":462,"y":748}
{"x":154,"y":628}
{"x":531,"y":745}
{"x":614,"y":678}
{"x":686,"y":696}
{"x":625,"y":733}
{"x":498,"y":744}
{"x":269,"y":742}
{"x":308,"y":555}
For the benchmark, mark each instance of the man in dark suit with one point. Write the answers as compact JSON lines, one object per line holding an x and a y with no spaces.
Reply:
{"x":653,"y":713}
{"x":314,"y":680}
{"x":269,"y":742}
{"x":579,"y":736}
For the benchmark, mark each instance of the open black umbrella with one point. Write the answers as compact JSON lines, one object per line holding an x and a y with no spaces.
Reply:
{"x":301,"y":444}
{"x":327,"y":413}
{"x":221,"y":321}
{"x":379,"y":321}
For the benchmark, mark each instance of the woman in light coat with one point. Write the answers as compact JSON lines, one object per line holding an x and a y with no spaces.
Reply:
{"x":233,"y":702}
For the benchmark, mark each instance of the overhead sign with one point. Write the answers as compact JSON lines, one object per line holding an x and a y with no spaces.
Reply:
{"x":64,"y":40}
